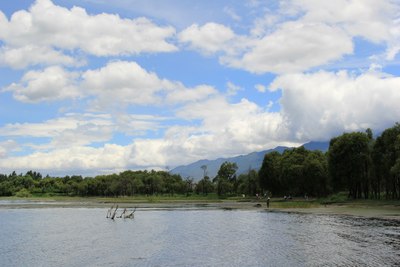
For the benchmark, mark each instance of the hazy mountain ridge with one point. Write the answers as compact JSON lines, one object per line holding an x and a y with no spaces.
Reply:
{"x":244,"y":162}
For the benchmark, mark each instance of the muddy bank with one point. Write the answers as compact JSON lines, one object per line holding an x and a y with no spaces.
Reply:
{"x":375,"y":211}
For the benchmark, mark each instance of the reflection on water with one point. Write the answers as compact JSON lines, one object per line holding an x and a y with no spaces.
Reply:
{"x":84,"y":237}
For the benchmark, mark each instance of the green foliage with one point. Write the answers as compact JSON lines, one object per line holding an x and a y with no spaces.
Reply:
{"x":128,"y":183}
{"x":248,"y":184}
{"x":386,"y":157}
{"x":350,"y":163}
{"x":204,"y":186}
{"x":226,"y":178}
{"x":355,"y":163}
{"x":297,"y":171}
{"x":270,"y":172}
{"x":23,"y":193}
{"x":339,"y":197}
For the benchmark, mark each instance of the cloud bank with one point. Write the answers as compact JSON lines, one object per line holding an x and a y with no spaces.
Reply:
{"x":116,"y":112}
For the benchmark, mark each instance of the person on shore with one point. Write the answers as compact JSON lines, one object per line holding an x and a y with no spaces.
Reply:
{"x":268,"y":202}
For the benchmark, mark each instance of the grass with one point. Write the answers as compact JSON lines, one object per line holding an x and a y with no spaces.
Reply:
{"x":278,"y":203}
{"x":124,"y":199}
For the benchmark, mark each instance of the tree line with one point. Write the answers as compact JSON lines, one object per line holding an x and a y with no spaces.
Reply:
{"x":127,"y":183}
{"x":355,"y":162}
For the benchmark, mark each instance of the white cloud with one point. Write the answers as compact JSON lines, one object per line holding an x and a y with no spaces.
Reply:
{"x":366,"y":18}
{"x":180,"y":94}
{"x":52,"y":30}
{"x":127,"y":83}
{"x":22,"y":57}
{"x":81,"y":159}
{"x":71,"y":130}
{"x":393,"y":48}
{"x":231,"y":128}
{"x":324,"y":104}
{"x":124,"y":82}
{"x":51,"y":84}
{"x":301,"y":35}
{"x":8,"y":146}
{"x":136,"y":125}
{"x":232,"y":88}
{"x":191,"y":123}
{"x":260,"y":88}
{"x":208,"y":39}
{"x":294,"y":47}
{"x":232,"y":13}
{"x":376,"y":21}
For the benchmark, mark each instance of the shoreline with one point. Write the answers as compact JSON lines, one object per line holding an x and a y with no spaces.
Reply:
{"x":384,"y":211}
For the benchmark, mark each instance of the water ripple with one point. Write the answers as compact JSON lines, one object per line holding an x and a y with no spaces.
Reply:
{"x":83,"y":237}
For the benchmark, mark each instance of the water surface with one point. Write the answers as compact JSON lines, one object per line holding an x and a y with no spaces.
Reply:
{"x":84,"y":237}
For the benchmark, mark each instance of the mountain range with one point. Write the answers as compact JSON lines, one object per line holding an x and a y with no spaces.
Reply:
{"x":244,"y":162}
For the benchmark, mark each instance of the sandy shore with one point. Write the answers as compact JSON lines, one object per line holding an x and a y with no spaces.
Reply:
{"x":389,"y":212}
{"x":374,"y":211}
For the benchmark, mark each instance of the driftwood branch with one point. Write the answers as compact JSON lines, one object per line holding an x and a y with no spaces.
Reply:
{"x":115,"y":212}
{"x":109,"y":212}
{"x":130,"y":215}
{"x":122,"y":214}
{"x":112,"y":212}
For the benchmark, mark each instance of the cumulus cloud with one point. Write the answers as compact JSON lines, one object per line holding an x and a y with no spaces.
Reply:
{"x":22,"y":57}
{"x":209,"y":38}
{"x":189,"y":123}
{"x":125,"y":83}
{"x":242,"y":126}
{"x":53,"y":29}
{"x":180,"y":94}
{"x":232,"y":88}
{"x":260,"y":88}
{"x":294,"y":47}
{"x":8,"y":146}
{"x":320,"y":105}
{"x":139,"y":124}
{"x":300,"y":35}
{"x":108,"y":158}
{"x":375,"y":21}
{"x":51,"y":84}
{"x":70,"y":130}
{"x":232,"y":13}
{"x":370,"y":19}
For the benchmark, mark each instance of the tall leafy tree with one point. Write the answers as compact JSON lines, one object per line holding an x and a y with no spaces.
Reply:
{"x":385,"y":155}
{"x":269,"y":173}
{"x":349,"y":163}
{"x":316,"y":181}
{"x":226,"y":178}
{"x":204,"y":186}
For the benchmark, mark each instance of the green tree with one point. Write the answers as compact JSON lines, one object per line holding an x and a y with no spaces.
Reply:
{"x":292,"y":176}
{"x":248,"y":183}
{"x":269,"y":173}
{"x":349,"y":163}
{"x":317,"y":181}
{"x":385,"y":154}
{"x":226,"y":178}
{"x":204,"y":186}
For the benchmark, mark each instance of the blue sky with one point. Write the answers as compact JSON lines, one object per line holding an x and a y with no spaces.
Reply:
{"x":95,"y":86}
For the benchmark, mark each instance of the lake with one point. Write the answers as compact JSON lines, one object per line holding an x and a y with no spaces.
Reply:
{"x":194,"y":237}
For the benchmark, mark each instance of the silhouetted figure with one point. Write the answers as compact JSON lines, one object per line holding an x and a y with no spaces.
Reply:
{"x":268,"y":202}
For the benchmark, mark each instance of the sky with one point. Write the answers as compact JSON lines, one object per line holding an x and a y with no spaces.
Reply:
{"x":91,"y":87}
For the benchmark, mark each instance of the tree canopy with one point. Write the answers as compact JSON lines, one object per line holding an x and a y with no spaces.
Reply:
{"x":355,"y":163}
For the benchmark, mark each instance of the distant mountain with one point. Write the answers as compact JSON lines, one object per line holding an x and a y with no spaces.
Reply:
{"x":244,"y":162}
{"x":322,"y":146}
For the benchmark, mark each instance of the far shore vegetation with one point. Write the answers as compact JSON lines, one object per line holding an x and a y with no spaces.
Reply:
{"x":357,"y":168}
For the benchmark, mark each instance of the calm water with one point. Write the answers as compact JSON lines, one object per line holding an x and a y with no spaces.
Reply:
{"x":84,"y":237}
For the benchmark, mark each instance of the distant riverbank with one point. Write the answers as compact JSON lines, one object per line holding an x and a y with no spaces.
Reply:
{"x":362,"y":208}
